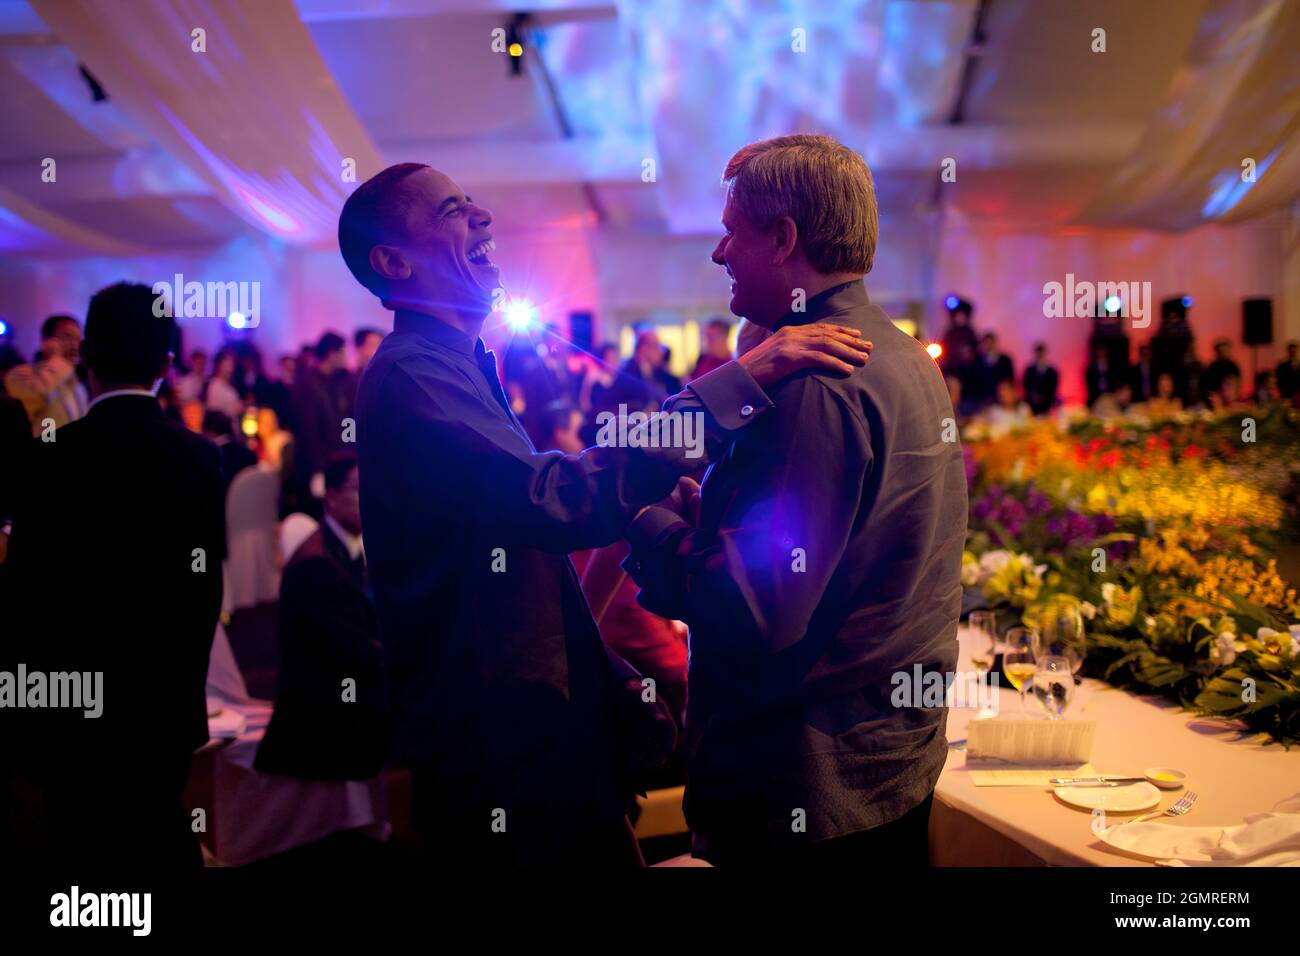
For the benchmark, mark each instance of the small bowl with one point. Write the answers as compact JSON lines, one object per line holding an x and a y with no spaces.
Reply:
{"x":1166,"y":778}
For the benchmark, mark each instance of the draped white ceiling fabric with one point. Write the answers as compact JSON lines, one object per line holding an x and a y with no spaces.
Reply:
{"x":28,"y":228}
{"x":1235,"y":98}
{"x":258,"y":115}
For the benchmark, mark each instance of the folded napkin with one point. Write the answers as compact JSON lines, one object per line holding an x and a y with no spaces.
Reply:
{"x":224,"y":721}
{"x":1264,"y":839}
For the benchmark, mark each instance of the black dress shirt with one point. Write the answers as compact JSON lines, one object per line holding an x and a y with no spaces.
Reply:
{"x":827,"y":559}
{"x":499,"y":683}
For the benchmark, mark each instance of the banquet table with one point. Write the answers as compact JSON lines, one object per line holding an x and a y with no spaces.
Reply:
{"x":1234,"y":771}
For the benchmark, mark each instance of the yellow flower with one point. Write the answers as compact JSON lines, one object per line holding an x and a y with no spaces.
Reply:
{"x":1120,"y":604}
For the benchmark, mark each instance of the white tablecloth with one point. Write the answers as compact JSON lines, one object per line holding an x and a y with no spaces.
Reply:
{"x":1234,"y":772}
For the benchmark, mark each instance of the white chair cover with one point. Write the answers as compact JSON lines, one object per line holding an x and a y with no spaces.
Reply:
{"x":257,"y":815}
{"x":294,"y":530}
{"x":252,"y":574}
{"x":225,"y":682}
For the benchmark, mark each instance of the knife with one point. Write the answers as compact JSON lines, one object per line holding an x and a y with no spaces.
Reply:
{"x":1100,"y":781}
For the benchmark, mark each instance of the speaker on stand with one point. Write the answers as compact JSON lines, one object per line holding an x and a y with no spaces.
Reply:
{"x":1256,"y":330}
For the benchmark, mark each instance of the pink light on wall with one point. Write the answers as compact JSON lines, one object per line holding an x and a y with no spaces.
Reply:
{"x":276,"y":218}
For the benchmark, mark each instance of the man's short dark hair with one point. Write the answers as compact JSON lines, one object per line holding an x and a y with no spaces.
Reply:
{"x":720,"y":324}
{"x":126,"y":343}
{"x":50,"y":327}
{"x":360,"y":335}
{"x":375,"y":213}
{"x":963,"y":307}
{"x":338,"y":468}
{"x":329,"y":343}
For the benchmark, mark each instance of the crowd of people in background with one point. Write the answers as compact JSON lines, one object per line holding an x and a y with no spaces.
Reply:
{"x":1159,"y":382}
{"x":558,"y":391}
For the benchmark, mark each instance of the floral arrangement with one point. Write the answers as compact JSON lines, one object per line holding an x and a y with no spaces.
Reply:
{"x":1164,"y":535}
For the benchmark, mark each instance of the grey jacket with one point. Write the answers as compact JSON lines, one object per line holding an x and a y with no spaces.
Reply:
{"x":828,"y":558}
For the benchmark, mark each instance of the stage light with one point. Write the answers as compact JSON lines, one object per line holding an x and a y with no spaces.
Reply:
{"x":248,"y":424}
{"x":1112,"y":303}
{"x":934,"y":349}
{"x":237,"y":320}
{"x":951,"y":302}
{"x":520,"y":314}
{"x":514,"y":42}
{"x":4,"y":328}
{"x":1187,"y":302}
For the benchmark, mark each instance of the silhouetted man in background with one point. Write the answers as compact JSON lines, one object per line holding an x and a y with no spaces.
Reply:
{"x":115,"y":569}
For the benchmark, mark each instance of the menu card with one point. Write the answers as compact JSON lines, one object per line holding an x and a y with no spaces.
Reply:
{"x":1041,"y":742}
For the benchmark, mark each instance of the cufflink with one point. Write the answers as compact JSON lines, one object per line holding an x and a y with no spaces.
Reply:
{"x":746,"y":411}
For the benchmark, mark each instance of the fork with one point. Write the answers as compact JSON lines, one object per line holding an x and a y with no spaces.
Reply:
{"x":1181,"y":807}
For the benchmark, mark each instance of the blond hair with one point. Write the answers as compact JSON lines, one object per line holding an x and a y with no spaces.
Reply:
{"x":824,"y":186}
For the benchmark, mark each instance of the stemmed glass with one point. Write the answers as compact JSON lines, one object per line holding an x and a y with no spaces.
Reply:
{"x":1018,"y":659}
{"x":1054,"y":685}
{"x":984,"y":631}
{"x":985,"y":627}
{"x":1060,"y":633}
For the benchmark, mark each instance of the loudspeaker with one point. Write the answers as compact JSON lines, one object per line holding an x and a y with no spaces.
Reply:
{"x":1257,"y":321}
{"x":580,"y":330}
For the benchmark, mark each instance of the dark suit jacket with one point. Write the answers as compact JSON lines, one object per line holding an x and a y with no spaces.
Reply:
{"x":235,"y":457}
{"x":1040,"y":388}
{"x":1101,"y":382}
{"x":15,"y":441}
{"x":318,"y":412}
{"x":327,"y":635}
{"x":102,"y":577}
{"x":500,"y":685}
{"x":828,"y":559}
{"x":1143,"y":380}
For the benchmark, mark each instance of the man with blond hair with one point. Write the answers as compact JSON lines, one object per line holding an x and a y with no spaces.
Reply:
{"x":823,"y":556}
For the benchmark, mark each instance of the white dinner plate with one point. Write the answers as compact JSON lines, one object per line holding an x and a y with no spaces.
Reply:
{"x":1135,"y":796}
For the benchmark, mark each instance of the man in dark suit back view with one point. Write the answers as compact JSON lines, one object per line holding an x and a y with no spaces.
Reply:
{"x":115,"y":569}
{"x":324,"y":728}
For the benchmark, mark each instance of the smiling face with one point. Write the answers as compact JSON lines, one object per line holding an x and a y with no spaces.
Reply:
{"x":443,"y":256}
{"x":758,"y":292}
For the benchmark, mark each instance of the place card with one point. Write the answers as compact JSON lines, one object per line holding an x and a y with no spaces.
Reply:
{"x":1041,"y":742}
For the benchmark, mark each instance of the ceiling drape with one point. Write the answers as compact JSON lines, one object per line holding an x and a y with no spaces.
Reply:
{"x":256,"y":112}
{"x":1235,"y":98}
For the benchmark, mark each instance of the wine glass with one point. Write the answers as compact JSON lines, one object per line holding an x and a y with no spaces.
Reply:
{"x":984,"y":625}
{"x":1054,"y":685}
{"x":1060,"y":633}
{"x":984,"y":630}
{"x":1018,"y":659}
